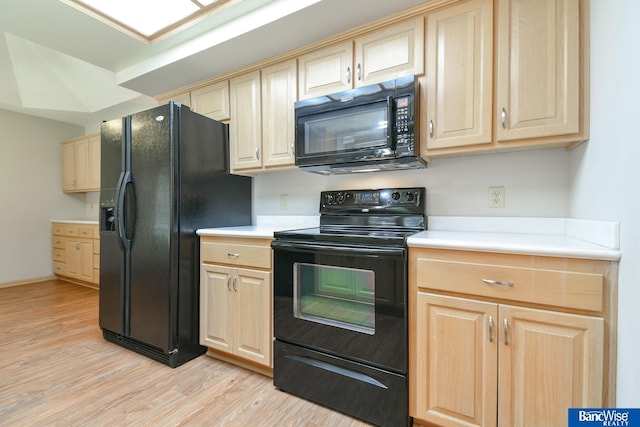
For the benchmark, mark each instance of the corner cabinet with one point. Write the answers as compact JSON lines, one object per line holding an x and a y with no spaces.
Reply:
{"x":236,"y":300}
{"x":81,"y":164}
{"x":508,"y":340}
{"x":76,"y":253}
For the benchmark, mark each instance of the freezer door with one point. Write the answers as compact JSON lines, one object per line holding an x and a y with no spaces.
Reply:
{"x":112,"y":256}
{"x":151,"y":227}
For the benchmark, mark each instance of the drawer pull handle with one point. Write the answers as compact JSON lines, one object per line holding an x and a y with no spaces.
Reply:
{"x":497,"y":282}
{"x":506,"y":331}
{"x":233,"y":255}
{"x":491,"y":333}
{"x":235,"y":287}
{"x":229,"y":283}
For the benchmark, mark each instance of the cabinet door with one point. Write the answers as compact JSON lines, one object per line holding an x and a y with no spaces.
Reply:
{"x":326,"y":70}
{"x":94,"y":163}
{"x":83,"y":173}
{"x":538,"y":75}
{"x":549,"y":362}
{"x":392,"y":52}
{"x":212,"y":100}
{"x":68,"y":167}
{"x":216,"y":307}
{"x":85,"y":254}
{"x":253,"y":330}
{"x":456,"y":361}
{"x":279,"y":89}
{"x":245,"y":128}
{"x":459,"y":81}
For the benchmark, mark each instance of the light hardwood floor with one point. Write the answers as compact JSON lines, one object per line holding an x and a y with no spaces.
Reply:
{"x":57,"y":370}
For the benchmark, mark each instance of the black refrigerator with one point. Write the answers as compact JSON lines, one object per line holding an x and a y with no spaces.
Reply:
{"x":164,"y":174}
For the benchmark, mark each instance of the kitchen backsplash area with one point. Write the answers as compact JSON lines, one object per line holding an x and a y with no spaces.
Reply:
{"x":536,"y":185}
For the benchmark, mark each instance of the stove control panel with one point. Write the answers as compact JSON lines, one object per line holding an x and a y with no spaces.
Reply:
{"x":378,"y":200}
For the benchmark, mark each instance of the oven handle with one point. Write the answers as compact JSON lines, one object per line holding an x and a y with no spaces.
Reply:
{"x":362,"y":250}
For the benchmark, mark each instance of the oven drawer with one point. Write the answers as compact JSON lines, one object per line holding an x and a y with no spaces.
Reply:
{"x":236,"y":251}
{"x":559,"y":282}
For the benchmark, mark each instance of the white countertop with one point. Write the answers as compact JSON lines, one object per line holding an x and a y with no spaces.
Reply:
{"x":264,"y":227}
{"x":542,"y":236}
{"x":562,"y":237}
{"x":75,"y":221}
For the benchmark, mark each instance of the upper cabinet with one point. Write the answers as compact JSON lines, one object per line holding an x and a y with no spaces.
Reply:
{"x":459,"y":74}
{"x":245,"y":128}
{"x":261,"y":130}
{"x":538,"y":75}
{"x":81,"y":164}
{"x":212,"y":100}
{"x":393,"y":51}
{"x":495,"y":75}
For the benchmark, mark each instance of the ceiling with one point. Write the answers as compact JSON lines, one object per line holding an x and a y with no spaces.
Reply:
{"x":59,"y":63}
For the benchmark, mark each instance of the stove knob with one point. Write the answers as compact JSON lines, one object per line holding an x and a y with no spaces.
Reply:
{"x":395,"y":195}
{"x":340,"y":197}
{"x":330,"y":198}
{"x":411,"y":197}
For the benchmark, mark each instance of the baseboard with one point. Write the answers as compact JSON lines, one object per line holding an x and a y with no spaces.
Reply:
{"x":26,"y":281}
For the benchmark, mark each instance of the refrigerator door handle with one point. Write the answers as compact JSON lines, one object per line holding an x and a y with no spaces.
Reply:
{"x":121,"y":192}
{"x":117,"y":214}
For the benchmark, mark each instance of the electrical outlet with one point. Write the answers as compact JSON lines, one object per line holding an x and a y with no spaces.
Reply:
{"x":284,"y":201}
{"x":496,"y":197}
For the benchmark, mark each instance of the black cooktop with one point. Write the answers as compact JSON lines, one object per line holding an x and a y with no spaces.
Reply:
{"x":365,"y":217}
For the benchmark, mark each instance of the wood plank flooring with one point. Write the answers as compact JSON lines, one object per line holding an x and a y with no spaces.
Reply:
{"x":57,"y":370}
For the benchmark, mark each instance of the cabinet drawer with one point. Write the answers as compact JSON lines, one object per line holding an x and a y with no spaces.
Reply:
{"x":59,"y":268}
{"x":59,"y":254}
{"x":245,"y":252}
{"x":61,"y":229}
{"x":58,"y":242}
{"x":495,"y":277}
{"x":85,"y":231}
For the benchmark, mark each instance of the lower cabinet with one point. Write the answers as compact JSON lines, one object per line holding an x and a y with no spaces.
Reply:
{"x":236,"y":300}
{"x":498,"y":356}
{"x":76,"y":252}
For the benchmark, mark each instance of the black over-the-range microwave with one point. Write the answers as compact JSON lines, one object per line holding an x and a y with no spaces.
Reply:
{"x":369,"y":128}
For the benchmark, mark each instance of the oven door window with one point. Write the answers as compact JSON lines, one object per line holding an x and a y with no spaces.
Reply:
{"x":336,"y":296}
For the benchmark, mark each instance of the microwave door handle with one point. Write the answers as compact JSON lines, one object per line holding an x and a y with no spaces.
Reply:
{"x":390,"y":126}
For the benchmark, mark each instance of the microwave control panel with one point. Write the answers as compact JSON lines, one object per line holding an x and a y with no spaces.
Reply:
{"x":404,"y":126}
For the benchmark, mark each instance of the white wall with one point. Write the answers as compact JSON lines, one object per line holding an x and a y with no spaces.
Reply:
{"x":605,"y":181}
{"x":31,"y":193}
{"x":536,"y":184}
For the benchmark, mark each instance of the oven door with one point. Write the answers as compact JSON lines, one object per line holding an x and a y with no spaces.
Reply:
{"x":346,"y":301}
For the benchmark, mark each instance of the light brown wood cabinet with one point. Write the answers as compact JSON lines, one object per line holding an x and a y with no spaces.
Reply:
{"x":458,"y":90}
{"x":538,"y":68}
{"x":393,"y":51}
{"x":261,"y":131}
{"x":508,"y":340}
{"x":81,"y":164}
{"x":236,"y":300}
{"x":211,"y":100}
{"x":76,"y":252}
